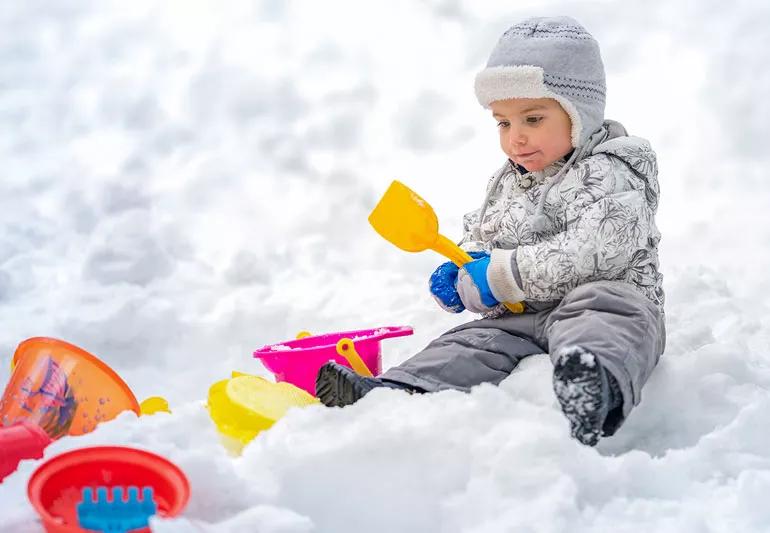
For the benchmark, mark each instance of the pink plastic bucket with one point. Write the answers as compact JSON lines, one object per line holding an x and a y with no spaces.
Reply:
{"x":298,"y":361}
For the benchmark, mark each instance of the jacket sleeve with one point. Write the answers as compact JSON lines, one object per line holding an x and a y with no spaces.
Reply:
{"x":606,"y":222}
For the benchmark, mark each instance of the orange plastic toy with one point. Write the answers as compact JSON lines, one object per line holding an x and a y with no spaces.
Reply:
{"x":63,"y":389}
{"x":55,"y":488}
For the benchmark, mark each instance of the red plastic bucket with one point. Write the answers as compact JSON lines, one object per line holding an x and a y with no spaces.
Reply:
{"x":56,"y":487}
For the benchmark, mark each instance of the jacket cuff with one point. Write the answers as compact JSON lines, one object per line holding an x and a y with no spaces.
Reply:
{"x":503,"y":276}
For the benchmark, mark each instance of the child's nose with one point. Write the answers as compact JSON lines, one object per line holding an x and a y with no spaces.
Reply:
{"x":517,"y":137}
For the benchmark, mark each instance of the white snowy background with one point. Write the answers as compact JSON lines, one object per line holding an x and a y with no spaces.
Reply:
{"x":184,"y":182}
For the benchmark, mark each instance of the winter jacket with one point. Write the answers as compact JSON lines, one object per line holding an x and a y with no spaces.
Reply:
{"x":594,"y":222}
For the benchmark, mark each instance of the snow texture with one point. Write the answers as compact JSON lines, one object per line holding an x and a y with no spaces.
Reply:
{"x":187,"y":181}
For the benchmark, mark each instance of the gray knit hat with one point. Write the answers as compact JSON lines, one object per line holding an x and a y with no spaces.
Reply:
{"x":553,"y":57}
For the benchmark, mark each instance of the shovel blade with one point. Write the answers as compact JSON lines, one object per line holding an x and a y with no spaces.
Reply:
{"x":403,"y":218}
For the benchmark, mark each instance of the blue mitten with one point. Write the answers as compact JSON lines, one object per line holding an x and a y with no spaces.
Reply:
{"x":473,"y":287}
{"x":443,"y":285}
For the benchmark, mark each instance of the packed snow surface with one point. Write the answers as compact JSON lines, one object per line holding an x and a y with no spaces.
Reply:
{"x":187,"y":181}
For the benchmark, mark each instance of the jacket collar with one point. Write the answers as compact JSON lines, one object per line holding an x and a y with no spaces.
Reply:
{"x":548,"y":171}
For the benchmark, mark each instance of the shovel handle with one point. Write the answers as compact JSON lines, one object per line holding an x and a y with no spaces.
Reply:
{"x":451,"y":251}
{"x":459,"y":257}
{"x":347,"y":349}
{"x":516,"y":308}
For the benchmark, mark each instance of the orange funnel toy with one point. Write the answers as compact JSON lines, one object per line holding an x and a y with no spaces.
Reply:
{"x":63,"y":389}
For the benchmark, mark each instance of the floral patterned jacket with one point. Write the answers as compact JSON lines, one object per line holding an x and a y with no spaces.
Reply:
{"x":599,"y":218}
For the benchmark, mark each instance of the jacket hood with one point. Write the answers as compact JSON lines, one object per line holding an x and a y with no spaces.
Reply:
{"x":634,"y":152}
{"x":609,"y":131}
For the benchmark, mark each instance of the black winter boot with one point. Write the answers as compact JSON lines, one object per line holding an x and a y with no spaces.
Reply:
{"x":337,"y":385}
{"x":586,"y":393}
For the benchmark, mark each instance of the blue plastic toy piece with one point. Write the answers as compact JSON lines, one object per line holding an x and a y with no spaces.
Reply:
{"x":119,"y":514}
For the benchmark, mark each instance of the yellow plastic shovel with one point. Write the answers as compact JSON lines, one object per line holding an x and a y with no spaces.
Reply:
{"x":403,"y":218}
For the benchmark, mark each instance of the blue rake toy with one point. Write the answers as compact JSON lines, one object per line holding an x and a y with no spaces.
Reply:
{"x":119,"y":514}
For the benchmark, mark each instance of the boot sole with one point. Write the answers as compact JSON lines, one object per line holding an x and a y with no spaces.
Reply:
{"x":581,"y":386}
{"x":335,"y":388}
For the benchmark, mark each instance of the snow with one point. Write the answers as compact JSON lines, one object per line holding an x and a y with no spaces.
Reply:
{"x":184,"y":182}
{"x":280,"y":348}
{"x":587,"y":359}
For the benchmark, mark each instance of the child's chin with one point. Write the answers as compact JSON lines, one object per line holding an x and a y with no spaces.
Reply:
{"x":534,"y":167}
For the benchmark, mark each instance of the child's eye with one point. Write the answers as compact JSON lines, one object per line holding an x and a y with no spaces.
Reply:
{"x":533,"y":120}
{"x":502,"y":124}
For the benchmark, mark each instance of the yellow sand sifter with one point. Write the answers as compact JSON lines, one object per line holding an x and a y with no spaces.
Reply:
{"x":403,"y":218}
{"x":245,"y":405}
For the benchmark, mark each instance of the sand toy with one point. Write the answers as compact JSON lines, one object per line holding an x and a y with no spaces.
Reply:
{"x":403,"y":218}
{"x":55,"y":489}
{"x":244,"y":405}
{"x":59,"y":389}
{"x":23,"y":440}
{"x":298,"y":361}
{"x":116,"y":509}
{"x":63,"y":389}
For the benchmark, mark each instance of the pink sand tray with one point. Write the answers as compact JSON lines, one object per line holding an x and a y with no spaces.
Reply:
{"x":298,"y":361}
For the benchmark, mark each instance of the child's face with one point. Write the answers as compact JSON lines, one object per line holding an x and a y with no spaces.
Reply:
{"x":534,"y":132}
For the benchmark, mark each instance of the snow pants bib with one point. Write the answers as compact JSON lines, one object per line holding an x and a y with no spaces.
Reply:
{"x":611,"y":319}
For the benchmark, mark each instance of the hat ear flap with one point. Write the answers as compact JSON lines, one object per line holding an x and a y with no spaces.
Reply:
{"x":523,"y":81}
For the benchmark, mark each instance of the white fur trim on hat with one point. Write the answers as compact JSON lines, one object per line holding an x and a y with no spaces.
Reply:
{"x":522,"y":81}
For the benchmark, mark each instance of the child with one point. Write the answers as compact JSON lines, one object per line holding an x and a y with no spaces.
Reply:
{"x":567,"y":228}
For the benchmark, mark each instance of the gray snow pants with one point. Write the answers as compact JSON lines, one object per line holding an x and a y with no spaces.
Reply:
{"x":623,"y":329}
